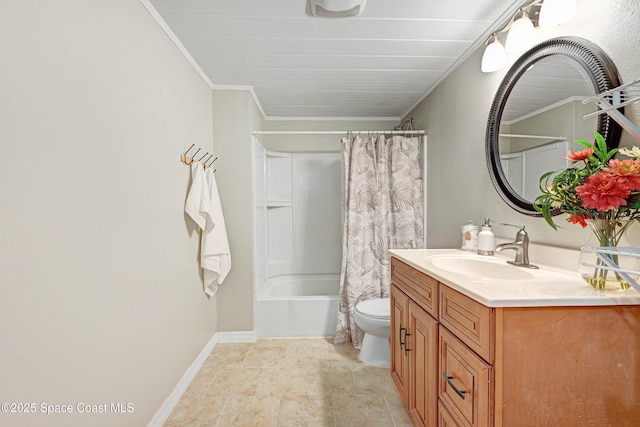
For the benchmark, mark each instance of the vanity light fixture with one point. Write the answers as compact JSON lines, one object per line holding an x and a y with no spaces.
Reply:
{"x":521,"y":30}
{"x":522,"y":34}
{"x":495,"y":57}
{"x":555,"y":12}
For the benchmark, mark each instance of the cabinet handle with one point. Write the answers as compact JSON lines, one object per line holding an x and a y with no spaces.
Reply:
{"x":402,"y":342}
{"x":406,"y":349}
{"x":459,"y":392}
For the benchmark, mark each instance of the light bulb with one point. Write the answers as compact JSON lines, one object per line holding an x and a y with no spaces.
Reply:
{"x":521,"y":36}
{"x":556,"y":12}
{"x":494,"y":57}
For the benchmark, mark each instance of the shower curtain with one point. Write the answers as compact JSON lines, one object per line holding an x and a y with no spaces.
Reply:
{"x":383,"y":210}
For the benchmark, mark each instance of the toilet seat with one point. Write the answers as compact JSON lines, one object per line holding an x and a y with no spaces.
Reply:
{"x":376,"y":308}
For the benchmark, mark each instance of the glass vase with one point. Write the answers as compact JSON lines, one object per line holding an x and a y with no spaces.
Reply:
{"x":608,"y":234}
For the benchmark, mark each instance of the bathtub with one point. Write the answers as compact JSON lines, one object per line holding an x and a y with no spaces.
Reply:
{"x":303,"y":305}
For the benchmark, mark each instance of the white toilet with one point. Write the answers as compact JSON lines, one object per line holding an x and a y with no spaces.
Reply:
{"x":374,"y":318}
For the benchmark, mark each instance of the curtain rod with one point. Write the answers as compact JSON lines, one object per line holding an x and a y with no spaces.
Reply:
{"x":337,"y":132}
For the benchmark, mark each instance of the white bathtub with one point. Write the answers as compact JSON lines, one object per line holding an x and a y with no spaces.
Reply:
{"x":297,"y":306}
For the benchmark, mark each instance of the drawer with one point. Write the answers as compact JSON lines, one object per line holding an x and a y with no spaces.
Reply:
{"x":465,"y":382}
{"x":417,"y":285}
{"x":445,"y":419}
{"x":470,"y":321}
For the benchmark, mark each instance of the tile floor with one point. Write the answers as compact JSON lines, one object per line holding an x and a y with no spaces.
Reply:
{"x":289,"y":382}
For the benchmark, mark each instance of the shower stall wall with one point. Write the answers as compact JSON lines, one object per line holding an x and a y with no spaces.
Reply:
{"x":298,"y":242}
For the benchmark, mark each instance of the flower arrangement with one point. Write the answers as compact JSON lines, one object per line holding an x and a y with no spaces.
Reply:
{"x":596,"y":186}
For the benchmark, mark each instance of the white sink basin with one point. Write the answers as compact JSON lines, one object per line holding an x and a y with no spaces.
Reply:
{"x":477,"y":267}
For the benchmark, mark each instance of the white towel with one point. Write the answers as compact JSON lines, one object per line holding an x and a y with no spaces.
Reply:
{"x":203,"y":206}
{"x":198,"y":205}
{"x":215,"y":256}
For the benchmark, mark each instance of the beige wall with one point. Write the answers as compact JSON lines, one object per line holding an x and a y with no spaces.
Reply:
{"x":100,"y":296}
{"x":455,"y":117}
{"x":235,"y":116}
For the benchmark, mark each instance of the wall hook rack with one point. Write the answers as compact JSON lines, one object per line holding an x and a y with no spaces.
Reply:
{"x":205,"y":159}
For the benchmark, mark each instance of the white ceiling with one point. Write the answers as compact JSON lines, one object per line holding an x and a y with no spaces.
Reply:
{"x":377,"y":65}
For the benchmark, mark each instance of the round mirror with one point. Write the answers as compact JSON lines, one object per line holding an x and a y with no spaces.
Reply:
{"x":538,"y":112}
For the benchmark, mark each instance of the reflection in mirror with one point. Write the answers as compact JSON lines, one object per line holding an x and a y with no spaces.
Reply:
{"x":541,"y":118}
{"x":538,"y":112}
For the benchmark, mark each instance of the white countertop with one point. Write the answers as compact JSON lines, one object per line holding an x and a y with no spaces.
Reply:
{"x":549,"y":286}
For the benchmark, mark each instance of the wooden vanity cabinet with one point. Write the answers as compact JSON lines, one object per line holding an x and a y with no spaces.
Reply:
{"x":414,"y":337}
{"x":512,"y":366}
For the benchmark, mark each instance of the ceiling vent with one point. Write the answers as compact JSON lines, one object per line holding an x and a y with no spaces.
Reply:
{"x":335,"y":8}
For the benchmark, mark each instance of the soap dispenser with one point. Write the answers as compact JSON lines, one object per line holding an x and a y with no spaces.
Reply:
{"x":485,"y":239}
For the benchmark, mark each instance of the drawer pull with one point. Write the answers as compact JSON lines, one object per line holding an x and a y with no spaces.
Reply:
{"x":459,"y":392}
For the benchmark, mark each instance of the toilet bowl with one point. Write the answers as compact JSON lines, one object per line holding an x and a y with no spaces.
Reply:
{"x":374,"y":318}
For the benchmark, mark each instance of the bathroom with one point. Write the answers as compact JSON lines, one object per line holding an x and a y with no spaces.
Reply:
{"x":100,"y":294}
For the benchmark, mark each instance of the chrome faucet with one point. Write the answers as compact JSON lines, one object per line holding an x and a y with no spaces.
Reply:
{"x":521,"y":246}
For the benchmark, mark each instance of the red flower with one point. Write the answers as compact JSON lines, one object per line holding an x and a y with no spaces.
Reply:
{"x":576,"y":156}
{"x":603,"y":192}
{"x":578,"y":219}
{"x":628,"y":172}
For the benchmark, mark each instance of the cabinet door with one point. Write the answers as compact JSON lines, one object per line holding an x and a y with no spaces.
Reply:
{"x":399,"y":358}
{"x":423,"y":368}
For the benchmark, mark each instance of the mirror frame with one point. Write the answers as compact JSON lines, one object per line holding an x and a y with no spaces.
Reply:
{"x":604,"y":76}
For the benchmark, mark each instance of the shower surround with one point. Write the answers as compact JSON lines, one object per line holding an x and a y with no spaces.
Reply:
{"x":298,"y":242}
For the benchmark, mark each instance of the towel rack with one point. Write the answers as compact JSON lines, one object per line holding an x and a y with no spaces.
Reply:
{"x":611,"y":100}
{"x":206,"y":159}
{"x":552,"y":138}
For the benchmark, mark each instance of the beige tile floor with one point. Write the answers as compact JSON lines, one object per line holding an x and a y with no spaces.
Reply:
{"x":289,"y":382}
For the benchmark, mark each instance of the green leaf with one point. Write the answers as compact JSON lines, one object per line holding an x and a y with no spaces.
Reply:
{"x":583,"y":142}
{"x":610,"y":155}
{"x":600,"y":142}
{"x":546,"y":214}
{"x":544,"y":180}
{"x":633,"y":202}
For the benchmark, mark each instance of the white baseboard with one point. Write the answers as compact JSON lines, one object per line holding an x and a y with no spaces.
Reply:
{"x":172,"y":400}
{"x":238,"y":336}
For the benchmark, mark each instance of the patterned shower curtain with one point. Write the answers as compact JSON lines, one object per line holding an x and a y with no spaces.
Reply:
{"x":383,"y":210}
